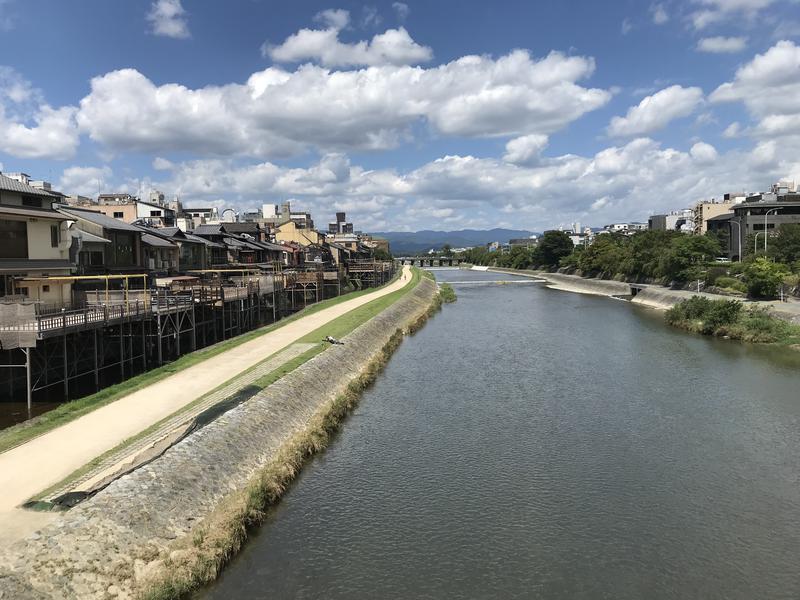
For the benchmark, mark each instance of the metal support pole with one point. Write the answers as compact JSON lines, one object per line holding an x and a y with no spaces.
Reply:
{"x":158,"y":324}
{"x":96,"y":371}
{"x":27,"y":352}
{"x":122,"y":349}
{"x":66,"y":368}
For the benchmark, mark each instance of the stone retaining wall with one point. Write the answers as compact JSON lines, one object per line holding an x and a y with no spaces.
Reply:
{"x":105,"y":546}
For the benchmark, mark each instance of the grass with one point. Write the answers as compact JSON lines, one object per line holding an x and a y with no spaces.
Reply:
{"x":729,"y":318}
{"x":197,"y":560}
{"x":337,"y":328}
{"x":69,"y":411}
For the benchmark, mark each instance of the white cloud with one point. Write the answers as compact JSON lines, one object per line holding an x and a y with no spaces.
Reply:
{"x":722,"y":45}
{"x":616,"y":183}
{"x":168,"y":19}
{"x":769,"y":86}
{"x":656,"y":111}
{"x":333,"y":18}
{"x":703,"y":153}
{"x":732,"y":131}
{"x":659,"y":14}
{"x":370,"y":17}
{"x":526,"y":149}
{"x":162,"y":164}
{"x":85,"y":181}
{"x":715,"y":11}
{"x":278,"y":112}
{"x":29,"y":127}
{"x":392,"y":47}
{"x":401,"y":9}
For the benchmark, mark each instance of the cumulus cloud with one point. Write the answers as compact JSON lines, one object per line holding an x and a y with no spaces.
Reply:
{"x":710,"y":12}
{"x":732,"y":131}
{"x":627,"y":26}
{"x":168,"y":18}
{"x":615,"y":183}
{"x":655,"y":112}
{"x":703,"y":153}
{"x":84,"y":181}
{"x":392,"y":47}
{"x":722,"y":45}
{"x":526,"y":149}
{"x":6,"y":19}
{"x":278,"y":112}
{"x":29,"y":127}
{"x":769,"y":86}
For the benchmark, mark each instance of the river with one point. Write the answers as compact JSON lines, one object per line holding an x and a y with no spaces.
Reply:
{"x":532,"y":443}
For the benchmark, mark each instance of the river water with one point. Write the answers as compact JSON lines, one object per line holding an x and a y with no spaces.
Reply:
{"x":532,"y":443}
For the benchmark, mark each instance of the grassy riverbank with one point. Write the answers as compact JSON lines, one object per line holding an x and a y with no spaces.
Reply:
{"x":199,"y":558}
{"x":731,"y":319}
{"x":69,"y":411}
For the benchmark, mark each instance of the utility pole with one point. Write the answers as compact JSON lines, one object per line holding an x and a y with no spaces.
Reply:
{"x":775,"y":210}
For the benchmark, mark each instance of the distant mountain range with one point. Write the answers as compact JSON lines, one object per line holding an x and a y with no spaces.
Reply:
{"x":407,"y":242}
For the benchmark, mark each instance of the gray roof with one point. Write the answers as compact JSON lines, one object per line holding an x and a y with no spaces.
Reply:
{"x":27,"y":211}
{"x":207,"y":230}
{"x":89,"y":237}
{"x":154,"y":240}
{"x":98,"y":218}
{"x":21,"y":264}
{"x":200,"y":240}
{"x":12,"y":185}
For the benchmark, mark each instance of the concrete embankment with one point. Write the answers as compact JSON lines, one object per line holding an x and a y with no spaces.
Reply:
{"x":147,"y":534}
{"x":574,"y":283}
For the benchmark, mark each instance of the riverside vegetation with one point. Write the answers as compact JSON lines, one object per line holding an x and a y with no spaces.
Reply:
{"x":729,"y":318}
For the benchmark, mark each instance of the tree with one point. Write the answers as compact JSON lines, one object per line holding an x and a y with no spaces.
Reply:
{"x":553,"y":246}
{"x":764,"y":277}
{"x":686,"y":254}
{"x":784,"y":246}
{"x":381,"y":254}
{"x":447,"y":250}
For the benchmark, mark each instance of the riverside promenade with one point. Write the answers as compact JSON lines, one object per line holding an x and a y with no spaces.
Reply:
{"x":46,"y":460}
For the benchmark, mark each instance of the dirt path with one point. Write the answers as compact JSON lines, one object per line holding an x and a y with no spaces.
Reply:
{"x":47,"y":459}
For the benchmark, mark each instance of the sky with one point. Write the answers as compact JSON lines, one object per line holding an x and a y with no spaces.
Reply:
{"x":443,"y":114}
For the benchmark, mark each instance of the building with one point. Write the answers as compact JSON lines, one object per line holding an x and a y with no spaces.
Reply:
{"x":626,"y":228}
{"x":762,"y":213}
{"x":34,"y":242}
{"x":703,"y":211}
{"x":678,"y":220}
{"x":202,"y":216}
{"x":528,"y":242}
{"x":114,"y":247}
{"x":130,"y":209}
{"x":340,"y":225}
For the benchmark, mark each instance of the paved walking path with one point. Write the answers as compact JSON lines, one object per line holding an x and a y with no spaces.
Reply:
{"x":44,"y":461}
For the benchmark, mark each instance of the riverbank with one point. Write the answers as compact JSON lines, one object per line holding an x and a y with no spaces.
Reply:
{"x":171,"y":524}
{"x":651,"y":296}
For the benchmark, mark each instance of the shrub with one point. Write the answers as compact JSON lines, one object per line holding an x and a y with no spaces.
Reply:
{"x":764,"y":278}
{"x":730,"y":283}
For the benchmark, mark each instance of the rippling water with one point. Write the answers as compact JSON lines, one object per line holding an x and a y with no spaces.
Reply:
{"x":535,"y":443}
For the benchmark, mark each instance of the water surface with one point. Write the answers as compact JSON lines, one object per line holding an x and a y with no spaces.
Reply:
{"x":535,"y":443}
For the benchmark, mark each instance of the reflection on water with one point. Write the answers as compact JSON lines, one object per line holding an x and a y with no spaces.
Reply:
{"x":535,"y":443}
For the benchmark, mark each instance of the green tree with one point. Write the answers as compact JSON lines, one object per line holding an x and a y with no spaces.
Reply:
{"x":764,"y":277}
{"x":685,"y":255}
{"x":553,"y":246}
{"x":447,"y":250}
{"x":381,"y":254}
{"x":784,"y":246}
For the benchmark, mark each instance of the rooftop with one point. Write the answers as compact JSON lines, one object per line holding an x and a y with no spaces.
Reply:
{"x":12,"y":185}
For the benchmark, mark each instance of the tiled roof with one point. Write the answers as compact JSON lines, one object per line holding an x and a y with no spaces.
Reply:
{"x":98,"y":218}
{"x":26,"y":211}
{"x":12,"y":185}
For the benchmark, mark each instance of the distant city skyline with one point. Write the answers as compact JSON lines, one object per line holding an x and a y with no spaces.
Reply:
{"x":433,"y":115}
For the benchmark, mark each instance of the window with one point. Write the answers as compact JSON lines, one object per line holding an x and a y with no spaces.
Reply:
{"x":155,"y":213}
{"x":31,"y":201}
{"x":45,"y":288}
{"x":13,"y":239}
{"x":22,"y":291}
{"x":118,"y":215}
{"x":55,"y":236}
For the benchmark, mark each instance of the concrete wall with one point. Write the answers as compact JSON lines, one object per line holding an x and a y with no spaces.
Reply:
{"x":113,"y":540}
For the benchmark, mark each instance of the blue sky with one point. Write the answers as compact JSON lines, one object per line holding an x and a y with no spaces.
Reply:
{"x":408,"y":115}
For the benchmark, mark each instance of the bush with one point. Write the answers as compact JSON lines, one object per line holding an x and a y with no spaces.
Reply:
{"x":704,"y":315}
{"x":720,"y":314}
{"x":764,"y":278}
{"x":730,"y":283}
